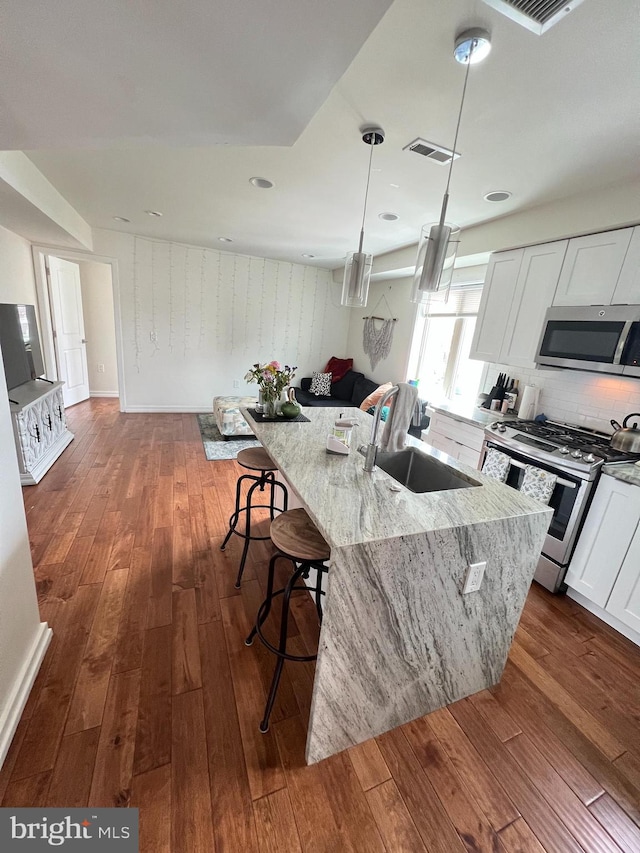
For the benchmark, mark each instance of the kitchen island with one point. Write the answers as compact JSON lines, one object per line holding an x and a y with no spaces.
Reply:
{"x":398,"y":637}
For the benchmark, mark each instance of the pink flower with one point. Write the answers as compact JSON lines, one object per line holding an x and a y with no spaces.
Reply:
{"x":276,"y":365}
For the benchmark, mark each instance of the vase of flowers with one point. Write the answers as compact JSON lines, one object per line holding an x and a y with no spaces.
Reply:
{"x":272,"y":378}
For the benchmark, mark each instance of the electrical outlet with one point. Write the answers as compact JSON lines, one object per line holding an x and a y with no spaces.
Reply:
{"x":101,"y":368}
{"x":236,"y":383}
{"x":473,"y":579}
{"x":153,"y":337}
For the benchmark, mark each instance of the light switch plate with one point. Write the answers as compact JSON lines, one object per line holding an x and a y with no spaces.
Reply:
{"x":474,"y":576}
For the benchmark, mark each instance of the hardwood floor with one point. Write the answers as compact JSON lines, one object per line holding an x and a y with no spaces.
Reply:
{"x":148,"y":696}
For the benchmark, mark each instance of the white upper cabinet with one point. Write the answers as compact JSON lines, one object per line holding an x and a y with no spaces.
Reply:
{"x":495,"y":306}
{"x":534,"y":289}
{"x":627,"y":290}
{"x":592,"y":267}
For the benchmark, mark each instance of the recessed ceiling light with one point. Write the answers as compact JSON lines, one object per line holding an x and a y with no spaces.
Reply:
{"x":262,"y":183}
{"x":121,"y":219}
{"x":225,"y":239}
{"x":153,"y":212}
{"x":497,"y":195}
{"x":388,"y":217}
{"x":395,"y":186}
{"x":305,"y":255}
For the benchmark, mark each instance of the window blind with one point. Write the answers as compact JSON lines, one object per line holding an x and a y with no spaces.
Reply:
{"x":464,"y":301}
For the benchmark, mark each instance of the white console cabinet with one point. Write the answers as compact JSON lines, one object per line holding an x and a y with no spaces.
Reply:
{"x":39,"y":427}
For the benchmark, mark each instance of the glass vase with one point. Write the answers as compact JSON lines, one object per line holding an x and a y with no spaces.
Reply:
{"x":269,"y":410}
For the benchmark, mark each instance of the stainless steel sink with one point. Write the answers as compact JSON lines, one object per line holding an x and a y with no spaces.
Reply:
{"x":420,"y":472}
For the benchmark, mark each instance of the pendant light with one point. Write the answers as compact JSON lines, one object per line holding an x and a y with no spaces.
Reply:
{"x":438,"y":244}
{"x":357,"y":270}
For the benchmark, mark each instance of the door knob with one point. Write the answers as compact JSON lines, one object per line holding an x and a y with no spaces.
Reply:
{"x":84,"y":341}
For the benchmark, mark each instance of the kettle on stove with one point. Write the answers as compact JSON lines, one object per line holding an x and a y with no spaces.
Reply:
{"x":627,"y":439}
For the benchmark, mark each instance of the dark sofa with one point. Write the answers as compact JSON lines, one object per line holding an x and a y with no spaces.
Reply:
{"x":351,"y":390}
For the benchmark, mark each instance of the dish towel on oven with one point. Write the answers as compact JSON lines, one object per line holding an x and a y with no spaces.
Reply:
{"x":496,"y":464}
{"x":538,"y":484}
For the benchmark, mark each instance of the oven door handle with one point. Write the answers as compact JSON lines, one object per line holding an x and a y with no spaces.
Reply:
{"x":560,"y":481}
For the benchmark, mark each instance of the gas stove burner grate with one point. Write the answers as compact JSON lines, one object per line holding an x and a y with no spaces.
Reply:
{"x":574,"y":438}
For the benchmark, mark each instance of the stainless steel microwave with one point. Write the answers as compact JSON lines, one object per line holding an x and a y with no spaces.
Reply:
{"x":602,"y":338}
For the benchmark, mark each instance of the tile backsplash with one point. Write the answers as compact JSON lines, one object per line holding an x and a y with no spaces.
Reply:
{"x":574,"y":396}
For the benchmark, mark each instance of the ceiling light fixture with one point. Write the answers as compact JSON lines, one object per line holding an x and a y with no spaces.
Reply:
{"x":153,"y":212}
{"x":121,"y":219}
{"x":261,"y":183}
{"x":497,"y":195}
{"x":225,"y":239}
{"x":388,"y":217}
{"x":438,"y":244}
{"x":357,"y":269}
{"x":306,"y":255}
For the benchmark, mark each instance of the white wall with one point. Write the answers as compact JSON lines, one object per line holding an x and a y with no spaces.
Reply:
{"x":598,"y":210}
{"x":99,"y":328}
{"x":20,"y":627}
{"x":17,"y":283}
{"x":396,"y":293}
{"x":213,"y":315}
{"x":577,"y":397}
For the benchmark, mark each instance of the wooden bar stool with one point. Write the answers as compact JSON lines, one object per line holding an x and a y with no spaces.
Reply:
{"x":297,"y":539}
{"x":254,"y":459}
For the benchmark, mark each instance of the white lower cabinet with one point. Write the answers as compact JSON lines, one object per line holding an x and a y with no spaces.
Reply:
{"x":605,"y":567}
{"x":460,"y":440}
{"x":624,"y":601}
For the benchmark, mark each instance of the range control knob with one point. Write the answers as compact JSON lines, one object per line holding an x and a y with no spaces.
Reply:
{"x":589,"y":457}
{"x":502,"y":428}
{"x":577,"y":454}
{"x":495,"y":425}
{"x":564,"y":450}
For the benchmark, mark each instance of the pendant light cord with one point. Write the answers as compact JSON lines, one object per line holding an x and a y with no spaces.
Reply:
{"x":445,"y":200}
{"x":366,"y":193}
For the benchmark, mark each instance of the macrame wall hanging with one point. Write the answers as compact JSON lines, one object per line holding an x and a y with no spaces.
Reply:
{"x":377,"y":340}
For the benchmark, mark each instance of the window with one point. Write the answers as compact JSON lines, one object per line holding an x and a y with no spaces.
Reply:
{"x":441,"y":343}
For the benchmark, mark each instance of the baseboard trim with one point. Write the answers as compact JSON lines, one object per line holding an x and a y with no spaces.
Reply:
{"x":104,"y":394}
{"x":24,"y":683}
{"x":204,"y":408}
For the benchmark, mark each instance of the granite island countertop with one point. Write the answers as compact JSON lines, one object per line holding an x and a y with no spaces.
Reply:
{"x":399,"y":639}
{"x":350,"y":506}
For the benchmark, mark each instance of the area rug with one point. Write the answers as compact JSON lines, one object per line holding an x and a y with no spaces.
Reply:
{"x":215,"y":445}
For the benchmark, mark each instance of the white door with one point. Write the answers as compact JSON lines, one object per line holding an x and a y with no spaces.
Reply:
{"x":68,"y":328}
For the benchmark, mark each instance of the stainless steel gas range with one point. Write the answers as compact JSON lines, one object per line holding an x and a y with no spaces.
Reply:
{"x":575,"y":456}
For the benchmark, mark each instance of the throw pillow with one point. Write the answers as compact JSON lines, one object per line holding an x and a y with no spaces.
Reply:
{"x":321,"y":384}
{"x":374,"y":398}
{"x":337,"y":367}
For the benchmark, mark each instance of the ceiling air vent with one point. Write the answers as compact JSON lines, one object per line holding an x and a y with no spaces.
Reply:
{"x":536,"y":15}
{"x":433,"y":152}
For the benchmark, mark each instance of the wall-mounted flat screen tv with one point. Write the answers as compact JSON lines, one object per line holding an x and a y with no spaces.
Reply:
{"x":20,"y":344}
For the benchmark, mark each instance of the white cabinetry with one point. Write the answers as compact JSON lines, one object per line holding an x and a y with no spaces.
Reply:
{"x":495,"y":306}
{"x":518,"y":289}
{"x":533,"y":294}
{"x":39,"y":427}
{"x":627,"y":290}
{"x":605,"y":567}
{"x":460,"y":440}
{"x":592,"y":267}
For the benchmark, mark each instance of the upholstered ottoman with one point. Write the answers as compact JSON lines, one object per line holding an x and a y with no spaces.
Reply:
{"x":227,"y":415}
